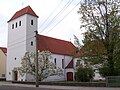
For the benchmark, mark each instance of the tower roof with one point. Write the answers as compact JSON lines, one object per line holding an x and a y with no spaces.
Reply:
{"x":26,"y":10}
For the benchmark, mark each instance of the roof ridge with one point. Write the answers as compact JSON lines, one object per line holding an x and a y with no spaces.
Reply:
{"x":54,"y":38}
{"x":25,"y":10}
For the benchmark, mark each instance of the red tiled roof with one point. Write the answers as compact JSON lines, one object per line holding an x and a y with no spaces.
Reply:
{"x":3,"y":49}
{"x":70,"y":65}
{"x":26,"y":10}
{"x":55,"y":46}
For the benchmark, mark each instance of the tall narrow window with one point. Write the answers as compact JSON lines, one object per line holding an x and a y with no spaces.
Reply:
{"x":46,"y":64}
{"x":63,"y":63}
{"x":12,"y":26}
{"x":31,"y":22}
{"x":31,"y":43}
{"x":55,"y":62}
{"x":19,"y":23}
{"x":16,"y":24}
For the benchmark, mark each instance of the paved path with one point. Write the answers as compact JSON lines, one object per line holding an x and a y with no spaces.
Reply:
{"x":51,"y":87}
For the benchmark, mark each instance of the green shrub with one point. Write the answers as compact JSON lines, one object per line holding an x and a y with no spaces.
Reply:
{"x":84,"y":74}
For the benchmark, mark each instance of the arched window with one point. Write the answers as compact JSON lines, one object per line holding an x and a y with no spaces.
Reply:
{"x":19,"y":23}
{"x":12,"y":26}
{"x":16,"y":24}
{"x":31,"y":22}
{"x":55,"y":62}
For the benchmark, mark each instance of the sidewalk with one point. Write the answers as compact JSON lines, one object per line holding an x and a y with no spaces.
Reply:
{"x":59,"y":87}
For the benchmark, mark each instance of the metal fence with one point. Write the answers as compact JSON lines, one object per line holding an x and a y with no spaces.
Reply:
{"x":113,"y":81}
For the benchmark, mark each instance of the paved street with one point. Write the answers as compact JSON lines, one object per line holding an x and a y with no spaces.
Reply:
{"x":23,"y":88}
{"x":10,"y":86}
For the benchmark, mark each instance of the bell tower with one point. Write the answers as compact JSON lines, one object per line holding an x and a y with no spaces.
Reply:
{"x":21,"y":39}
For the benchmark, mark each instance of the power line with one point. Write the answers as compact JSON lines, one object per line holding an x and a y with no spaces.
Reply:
{"x":58,"y":14}
{"x":50,"y":29}
{"x":20,"y":42}
{"x":20,"y":38}
{"x":18,"y":45}
{"x":64,"y":17}
{"x":50,"y":14}
{"x":12,"y":42}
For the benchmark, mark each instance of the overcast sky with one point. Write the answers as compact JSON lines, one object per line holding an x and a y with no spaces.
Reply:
{"x":64,"y":30}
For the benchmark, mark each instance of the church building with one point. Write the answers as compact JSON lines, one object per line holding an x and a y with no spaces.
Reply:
{"x":21,"y":39}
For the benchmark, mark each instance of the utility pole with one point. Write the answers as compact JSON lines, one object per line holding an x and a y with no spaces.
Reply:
{"x":36,"y":61}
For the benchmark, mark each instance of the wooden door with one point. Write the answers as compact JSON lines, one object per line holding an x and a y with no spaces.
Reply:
{"x":69,"y":76}
{"x":15,"y":75}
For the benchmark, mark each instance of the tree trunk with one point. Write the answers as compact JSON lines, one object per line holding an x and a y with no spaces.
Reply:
{"x":111,"y":65}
